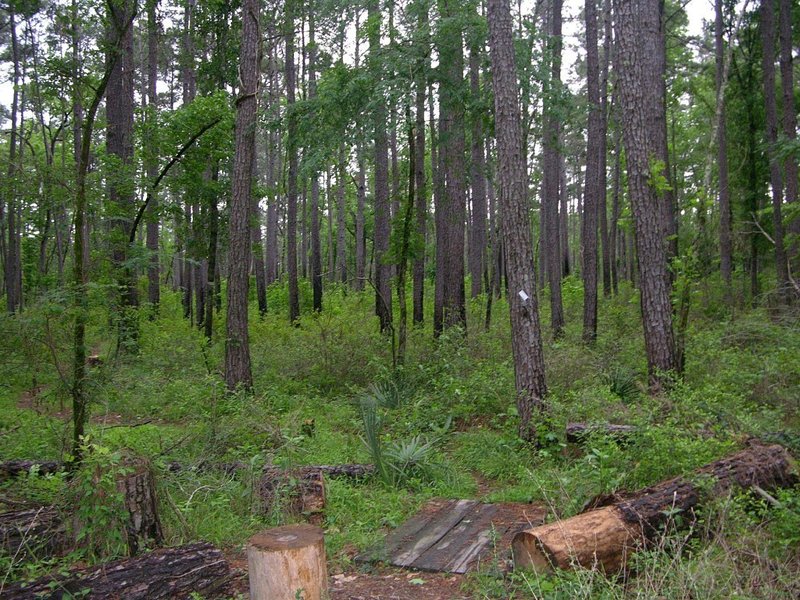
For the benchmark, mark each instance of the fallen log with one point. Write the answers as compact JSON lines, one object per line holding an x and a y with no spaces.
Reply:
{"x":167,"y":573}
{"x":296,"y":492}
{"x":33,"y":532}
{"x":15,"y":468}
{"x":605,"y":537}
{"x":577,"y":433}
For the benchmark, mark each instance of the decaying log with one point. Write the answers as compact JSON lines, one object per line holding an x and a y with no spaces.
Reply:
{"x":142,"y":527}
{"x":605,"y":537}
{"x":577,"y":433}
{"x":34,"y":532}
{"x":165,"y":573}
{"x":299,"y":491}
{"x":288,"y":562}
{"x":15,"y":468}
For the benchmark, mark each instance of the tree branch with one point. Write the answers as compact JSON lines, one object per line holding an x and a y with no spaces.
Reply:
{"x":162,"y":174}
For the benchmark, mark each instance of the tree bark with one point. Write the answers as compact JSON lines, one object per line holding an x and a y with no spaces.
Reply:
{"x":237,"y":344}
{"x":526,"y":337}
{"x":641,"y":108}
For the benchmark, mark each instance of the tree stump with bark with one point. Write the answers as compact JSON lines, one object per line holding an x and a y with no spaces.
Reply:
{"x":166,"y":573}
{"x":604,"y":537}
{"x":287,"y":563}
{"x":143,"y":526}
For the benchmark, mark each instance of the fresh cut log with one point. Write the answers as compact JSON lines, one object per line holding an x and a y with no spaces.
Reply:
{"x":166,"y":573}
{"x":605,"y":537}
{"x":288,"y":562}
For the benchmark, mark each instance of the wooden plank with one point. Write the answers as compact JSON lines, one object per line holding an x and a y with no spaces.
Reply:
{"x":464,"y":537}
{"x":447,"y":519}
{"x":408,"y":531}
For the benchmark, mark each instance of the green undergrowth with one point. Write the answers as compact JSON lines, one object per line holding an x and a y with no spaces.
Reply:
{"x":444,"y":425}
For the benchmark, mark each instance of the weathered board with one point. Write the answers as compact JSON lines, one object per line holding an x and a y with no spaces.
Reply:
{"x":455,"y":536}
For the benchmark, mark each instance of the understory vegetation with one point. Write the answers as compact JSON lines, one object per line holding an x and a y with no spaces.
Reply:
{"x":442,"y":425}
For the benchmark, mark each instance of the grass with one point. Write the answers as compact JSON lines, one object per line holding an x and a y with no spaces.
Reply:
{"x":742,"y":379}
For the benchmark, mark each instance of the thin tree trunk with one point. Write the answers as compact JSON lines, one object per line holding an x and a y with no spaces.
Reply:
{"x":775,"y":175}
{"x":383,"y":287}
{"x":602,"y":208}
{"x":12,"y":260}
{"x":316,"y":246}
{"x":291,"y":184}
{"x":789,"y":121}
{"x":419,"y":169}
{"x":725,"y":230}
{"x":153,"y":271}
{"x":552,"y":251}
{"x":592,"y":191}
{"x":477,"y":242}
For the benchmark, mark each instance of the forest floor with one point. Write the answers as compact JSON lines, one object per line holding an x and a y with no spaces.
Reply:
{"x":446,"y":425}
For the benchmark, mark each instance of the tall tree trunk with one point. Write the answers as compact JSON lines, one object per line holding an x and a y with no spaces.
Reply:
{"x":153,"y":271}
{"x":421,"y":199}
{"x":291,"y":183}
{"x":316,"y":249}
{"x":273,"y":158}
{"x":789,"y":120}
{"x":477,"y":242}
{"x":775,"y":175}
{"x":602,"y":188}
{"x":592,"y":191}
{"x":258,"y":251}
{"x":452,"y":147}
{"x":383,"y":287}
{"x":119,"y":144}
{"x":213,"y":267}
{"x":668,"y":205}
{"x":551,"y":249}
{"x":237,"y":345}
{"x":725,"y":230}
{"x":526,"y":339}
{"x":12,"y":259}
{"x":563,"y":216}
{"x":640,"y":88}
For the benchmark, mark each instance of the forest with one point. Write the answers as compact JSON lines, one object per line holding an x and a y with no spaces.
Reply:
{"x":413,"y":299}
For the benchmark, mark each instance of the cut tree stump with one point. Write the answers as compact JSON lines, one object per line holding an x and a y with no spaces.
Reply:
{"x":288,"y":562}
{"x":296,"y":492}
{"x":577,"y":433}
{"x":166,"y":573}
{"x":143,"y":527}
{"x":34,"y":532}
{"x":604,"y":537}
